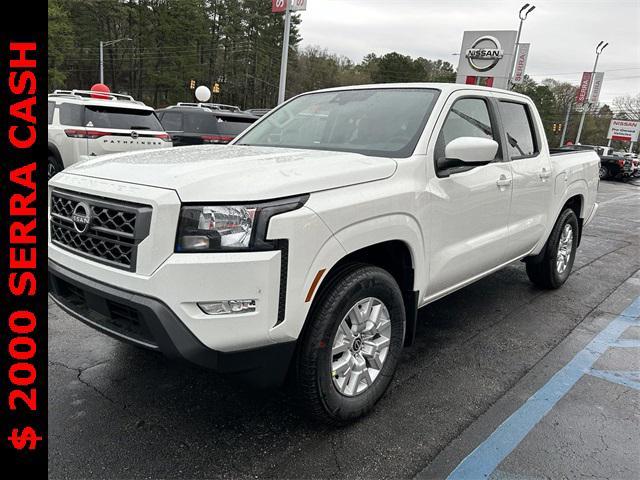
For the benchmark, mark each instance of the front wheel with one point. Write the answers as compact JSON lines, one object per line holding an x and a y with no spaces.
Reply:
{"x":351,"y":347}
{"x":53,"y":167}
{"x":559,"y":253}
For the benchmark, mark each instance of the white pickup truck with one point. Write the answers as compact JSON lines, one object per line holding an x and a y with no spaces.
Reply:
{"x":304,"y":249}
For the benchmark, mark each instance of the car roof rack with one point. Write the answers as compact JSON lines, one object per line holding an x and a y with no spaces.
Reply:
{"x":215,"y":106}
{"x":88,"y":94}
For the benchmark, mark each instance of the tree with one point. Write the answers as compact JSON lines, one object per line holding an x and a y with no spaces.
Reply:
{"x":60,"y":43}
{"x":628,"y":107}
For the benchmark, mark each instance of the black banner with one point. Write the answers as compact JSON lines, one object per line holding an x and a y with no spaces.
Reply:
{"x":23,"y":241}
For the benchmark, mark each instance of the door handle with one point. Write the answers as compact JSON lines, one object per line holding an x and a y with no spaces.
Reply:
{"x":503,"y":182}
{"x":544,"y":174}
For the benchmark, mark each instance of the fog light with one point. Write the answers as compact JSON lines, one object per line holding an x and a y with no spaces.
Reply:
{"x":224,"y":307}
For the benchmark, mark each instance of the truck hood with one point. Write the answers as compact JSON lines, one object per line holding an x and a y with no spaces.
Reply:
{"x":237,"y":173}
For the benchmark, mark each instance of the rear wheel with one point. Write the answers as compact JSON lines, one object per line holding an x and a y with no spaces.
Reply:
{"x":352,"y":345}
{"x":559,"y":253}
{"x":604,"y":172}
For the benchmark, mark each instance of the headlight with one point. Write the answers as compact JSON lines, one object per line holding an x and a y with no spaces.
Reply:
{"x":216,"y":228}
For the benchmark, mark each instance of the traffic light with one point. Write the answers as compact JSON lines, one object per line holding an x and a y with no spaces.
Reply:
{"x":192,"y":84}
{"x":556,"y":128}
{"x":215,"y":88}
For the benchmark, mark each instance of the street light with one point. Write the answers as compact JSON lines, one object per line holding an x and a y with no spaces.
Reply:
{"x":601,"y":46}
{"x":107,"y":44}
{"x":522,"y":15}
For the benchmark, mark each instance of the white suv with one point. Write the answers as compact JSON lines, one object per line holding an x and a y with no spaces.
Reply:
{"x":85,"y":124}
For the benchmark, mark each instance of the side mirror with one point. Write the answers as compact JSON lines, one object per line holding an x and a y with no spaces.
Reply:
{"x":472,"y":149}
{"x":466,"y":152}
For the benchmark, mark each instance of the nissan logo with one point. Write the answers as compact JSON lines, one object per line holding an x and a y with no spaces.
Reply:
{"x":485,"y":53}
{"x":81,"y":217}
{"x":134,"y":135}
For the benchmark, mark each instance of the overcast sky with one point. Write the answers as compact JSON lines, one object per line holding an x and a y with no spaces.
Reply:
{"x":563,"y":33}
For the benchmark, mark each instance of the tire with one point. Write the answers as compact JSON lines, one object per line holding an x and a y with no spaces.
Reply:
{"x":603,"y":172}
{"x":554,"y":268}
{"x":53,"y":167}
{"x":329,"y":390}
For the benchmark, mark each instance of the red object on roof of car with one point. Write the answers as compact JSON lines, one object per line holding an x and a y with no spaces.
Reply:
{"x":100,"y":87}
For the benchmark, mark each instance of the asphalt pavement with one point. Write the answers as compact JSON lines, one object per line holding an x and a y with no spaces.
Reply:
{"x":480,"y":356}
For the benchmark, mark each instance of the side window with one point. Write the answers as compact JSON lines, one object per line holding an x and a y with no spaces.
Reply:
{"x":172,"y":121}
{"x":518,"y":125}
{"x":51,"y":107}
{"x":468,"y":117}
{"x":71,"y":114}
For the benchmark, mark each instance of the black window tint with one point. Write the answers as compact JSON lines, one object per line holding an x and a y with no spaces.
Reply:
{"x":172,"y":121}
{"x":518,"y":127}
{"x":51,"y":108}
{"x":71,"y":114}
{"x":200,"y":122}
{"x":233,"y":125}
{"x":122,"y":118}
{"x":468,"y":117}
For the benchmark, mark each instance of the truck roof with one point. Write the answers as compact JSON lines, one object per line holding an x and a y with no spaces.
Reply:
{"x":444,"y":87}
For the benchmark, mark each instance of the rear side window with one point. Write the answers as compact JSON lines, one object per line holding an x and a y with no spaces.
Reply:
{"x":468,"y":117}
{"x":172,"y":121}
{"x":121,"y":118}
{"x":51,"y":107}
{"x":71,"y":114}
{"x":518,"y":125}
{"x":233,"y":125}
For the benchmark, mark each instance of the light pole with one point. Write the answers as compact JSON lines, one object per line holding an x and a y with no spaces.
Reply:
{"x":587,"y":103}
{"x":106,"y":44}
{"x":285,"y":54}
{"x":522,"y":15}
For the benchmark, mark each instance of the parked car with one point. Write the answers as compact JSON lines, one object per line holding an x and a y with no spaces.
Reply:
{"x":84,"y":124}
{"x":197,"y":124}
{"x":343,"y":212}
{"x":615,"y":167}
{"x":258,"y":112}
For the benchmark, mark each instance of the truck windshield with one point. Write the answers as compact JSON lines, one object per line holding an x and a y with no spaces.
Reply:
{"x":384,"y":122}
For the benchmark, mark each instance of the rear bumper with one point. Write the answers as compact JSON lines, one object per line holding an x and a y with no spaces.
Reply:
{"x":149,"y":323}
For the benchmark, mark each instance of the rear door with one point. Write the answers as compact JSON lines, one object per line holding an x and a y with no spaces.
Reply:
{"x":119,"y":129}
{"x":468,"y":211}
{"x":172,"y":122}
{"x":532,"y":175}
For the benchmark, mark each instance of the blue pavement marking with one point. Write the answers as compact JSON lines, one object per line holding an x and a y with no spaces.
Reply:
{"x":627,"y":343}
{"x":489,"y":454}
{"x":629,"y":379}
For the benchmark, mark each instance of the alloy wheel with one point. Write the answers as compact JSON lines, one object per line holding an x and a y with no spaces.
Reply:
{"x":360,"y":346}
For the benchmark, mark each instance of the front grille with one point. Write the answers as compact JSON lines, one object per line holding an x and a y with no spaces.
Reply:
{"x":114,"y":229}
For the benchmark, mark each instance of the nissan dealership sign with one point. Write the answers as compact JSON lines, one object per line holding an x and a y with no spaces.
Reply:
{"x":485,"y":57}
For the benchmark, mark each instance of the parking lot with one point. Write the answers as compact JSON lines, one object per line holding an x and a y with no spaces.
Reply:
{"x":481,"y":354}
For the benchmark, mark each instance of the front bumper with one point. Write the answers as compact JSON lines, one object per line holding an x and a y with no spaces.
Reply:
{"x":148,"y":322}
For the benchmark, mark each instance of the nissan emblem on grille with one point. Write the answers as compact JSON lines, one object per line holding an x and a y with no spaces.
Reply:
{"x":81,"y":217}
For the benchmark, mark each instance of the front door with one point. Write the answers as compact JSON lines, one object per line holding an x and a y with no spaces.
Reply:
{"x":469,"y":209}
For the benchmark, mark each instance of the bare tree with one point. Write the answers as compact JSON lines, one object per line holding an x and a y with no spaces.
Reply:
{"x":627,"y":107}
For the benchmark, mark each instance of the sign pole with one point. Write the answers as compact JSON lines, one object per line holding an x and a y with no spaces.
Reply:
{"x":566,"y":121}
{"x":285,"y":55}
{"x":588,"y":103}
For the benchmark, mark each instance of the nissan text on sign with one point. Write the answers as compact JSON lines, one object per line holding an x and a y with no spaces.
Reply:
{"x":624,"y":130}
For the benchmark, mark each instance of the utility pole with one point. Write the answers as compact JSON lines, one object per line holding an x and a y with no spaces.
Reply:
{"x":285,"y":54}
{"x":587,"y":103}
{"x":566,"y":122}
{"x":522,"y":15}
{"x":106,"y":44}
